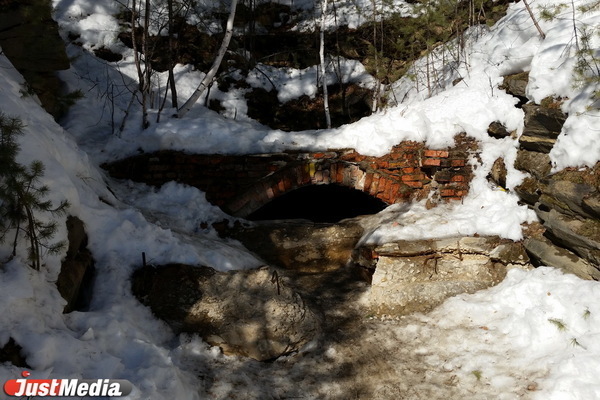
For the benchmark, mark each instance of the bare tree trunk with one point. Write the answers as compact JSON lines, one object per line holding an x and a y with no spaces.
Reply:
{"x":345,"y":107}
{"x":172,"y":86}
{"x":145,"y":72}
{"x":376,"y":57}
{"x":215,"y":66}
{"x":535,"y":22}
{"x":147,"y":67}
{"x":136,"y":53}
{"x":322,"y":58}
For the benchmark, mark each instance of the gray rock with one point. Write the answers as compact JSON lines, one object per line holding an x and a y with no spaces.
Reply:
{"x":551,"y":255}
{"x":498,"y":173}
{"x":580,"y":236}
{"x":30,"y":39}
{"x":252,"y":313}
{"x":458,"y":244}
{"x":529,"y":190}
{"x":75,"y":279}
{"x":516,"y":85}
{"x":498,"y":130}
{"x":567,"y":196}
{"x":403,"y":285}
{"x":537,"y":164}
{"x":591,"y":205}
{"x":542,"y":127}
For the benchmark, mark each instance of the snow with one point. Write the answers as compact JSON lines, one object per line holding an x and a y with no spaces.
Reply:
{"x":292,"y":83}
{"x":523,"y":315}
{"x":495,"y":342}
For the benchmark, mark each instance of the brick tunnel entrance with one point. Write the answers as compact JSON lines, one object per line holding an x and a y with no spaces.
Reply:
{"x":261,"y":186}
{"x":319,"y":203}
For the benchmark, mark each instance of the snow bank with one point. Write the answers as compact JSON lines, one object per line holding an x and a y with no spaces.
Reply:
{"x":540,"y":321}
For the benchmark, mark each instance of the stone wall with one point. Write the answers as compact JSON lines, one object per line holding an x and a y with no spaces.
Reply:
{"x":567,"y":202}
{"x":242,"y":184}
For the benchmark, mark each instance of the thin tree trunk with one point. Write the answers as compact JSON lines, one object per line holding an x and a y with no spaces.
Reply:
{"x":535,"y":22}
{"x":345,"y":108}
{"x":35,"y":253}
{"x":322,"y":58}
{"x":187,"y":106}
{"x":172,"y":85}
{"x":136,"y":53}
{"x":376,"y":57}
{"x":575,"y":27}
{"x":138,"y":62}
{"x":147,"y":67}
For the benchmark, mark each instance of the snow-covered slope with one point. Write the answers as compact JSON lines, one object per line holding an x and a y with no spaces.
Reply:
{"x":118,"y":337}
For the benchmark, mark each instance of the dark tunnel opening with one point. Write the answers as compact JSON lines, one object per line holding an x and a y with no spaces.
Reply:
{"x":319,"y":203}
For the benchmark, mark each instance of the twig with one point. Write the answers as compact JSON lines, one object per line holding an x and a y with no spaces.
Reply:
{"x":275,"y":279}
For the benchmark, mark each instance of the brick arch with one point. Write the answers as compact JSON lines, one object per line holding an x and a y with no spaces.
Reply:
{"x":320,"y":172}
{"x":241,"y":184}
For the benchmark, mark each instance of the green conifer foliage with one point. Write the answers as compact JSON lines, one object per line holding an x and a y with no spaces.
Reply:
{"x":22,"y":198}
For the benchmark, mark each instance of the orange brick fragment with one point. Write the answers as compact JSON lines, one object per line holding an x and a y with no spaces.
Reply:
{"x":414,"y":184}
{"x":413,"y":177}
{"x":433,"y":162}
{"x":436,"y":153}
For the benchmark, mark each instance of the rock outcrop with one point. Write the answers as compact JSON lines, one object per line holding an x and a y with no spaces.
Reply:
{"x":76,"y":276}
{"x":567,"y":202}
{"x":29,"y":37}
{"x":252,"y":313}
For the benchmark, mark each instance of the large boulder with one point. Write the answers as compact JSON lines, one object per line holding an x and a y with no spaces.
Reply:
{"x":568,"y":204}
{"x":591,"y":205}
{"x":418,"y":275}
{"x":251,"y":313}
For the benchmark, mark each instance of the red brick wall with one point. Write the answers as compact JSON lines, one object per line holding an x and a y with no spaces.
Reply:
{"x":242,"y":184}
